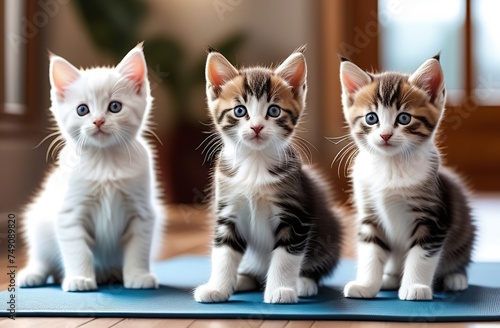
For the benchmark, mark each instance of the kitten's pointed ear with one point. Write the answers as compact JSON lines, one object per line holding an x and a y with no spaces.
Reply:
{"x":219,"y":70}
{"x":352,"y":77}
{"x":61,"y":74}
{"x":429,"y":76}
{"x":133,"y":66}
{"x":294,"y":71}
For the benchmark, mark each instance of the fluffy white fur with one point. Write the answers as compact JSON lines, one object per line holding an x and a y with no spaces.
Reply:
{"x":98,"y":213}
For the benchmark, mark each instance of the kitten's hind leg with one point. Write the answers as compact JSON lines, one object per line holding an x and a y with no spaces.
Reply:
{"x":306,"y":287}
{"x":390,"y":281}
{"x":35,"y":274}
{"x":246,"y":283}
{"x":43,"y":254}
{"x":455,"y":282}
{"x":392,"y":272}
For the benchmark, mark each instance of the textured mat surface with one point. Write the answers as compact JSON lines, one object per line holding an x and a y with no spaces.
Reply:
{"x":179,"y":276}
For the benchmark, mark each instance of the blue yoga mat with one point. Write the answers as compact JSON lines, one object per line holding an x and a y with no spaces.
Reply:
{"x":179,"y":276}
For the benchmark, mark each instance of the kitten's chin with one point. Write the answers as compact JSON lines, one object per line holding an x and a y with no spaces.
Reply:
{"x":102,"y":140}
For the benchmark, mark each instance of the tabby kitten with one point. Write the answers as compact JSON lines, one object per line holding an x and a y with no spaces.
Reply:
{"x":415,"y":226}
{"x":98,"y":210}
{"x":274,"y":222}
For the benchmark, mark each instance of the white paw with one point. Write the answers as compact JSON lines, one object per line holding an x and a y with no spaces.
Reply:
{"x":390,"y":282}
{"x":31,"y":279}
{"x":456,"y":282}
{"x":306,"y":287}
{"x":78,"y":284}
{"x":281,"y":295}
{"x":353,"y":289}
{"x":140,"y":281}
{"x":415,"y":292}
{"x":207,"y":294}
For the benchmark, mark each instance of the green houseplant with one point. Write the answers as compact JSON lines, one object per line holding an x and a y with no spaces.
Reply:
{"x":114,"y":27}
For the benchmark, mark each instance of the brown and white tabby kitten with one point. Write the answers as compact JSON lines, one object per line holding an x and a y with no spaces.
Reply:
{"x":274,"y":222}
{"x":415,"y":225}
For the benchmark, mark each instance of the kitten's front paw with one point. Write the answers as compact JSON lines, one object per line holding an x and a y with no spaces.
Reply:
{"x":207,"y":294}
{"x":140,"y":281}
{"x":31,"y":279}
{"x":306,"y":287}
{"x":281,"y":295}
{"x":456,"y":282}
{"x":390,"y":282}
{"x":78,"y":284}
{"x":415,"y":292}
{"x":353,"y":289}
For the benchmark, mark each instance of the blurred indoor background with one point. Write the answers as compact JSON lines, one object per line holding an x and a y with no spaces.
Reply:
{"x":377,"y":35}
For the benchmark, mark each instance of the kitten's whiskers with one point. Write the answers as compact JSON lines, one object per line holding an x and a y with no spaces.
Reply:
{"x":123,"y":142}
{"x":303,"y":150}
{"x":212,"y":144}
{"x":337,"y":140}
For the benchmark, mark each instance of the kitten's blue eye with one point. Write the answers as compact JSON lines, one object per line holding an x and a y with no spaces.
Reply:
{"x":115,"y":106}
{"x":403,"y":118}
{"x":371,"y":118}
{"x":274,"y":111}
{"x":82,"y":110}
{"x":240,"y":111}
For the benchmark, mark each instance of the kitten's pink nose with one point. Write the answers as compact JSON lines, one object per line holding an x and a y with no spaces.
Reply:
{"x":99,"y":123}
{"x":386,"y":136}
{"x":257,"y":128}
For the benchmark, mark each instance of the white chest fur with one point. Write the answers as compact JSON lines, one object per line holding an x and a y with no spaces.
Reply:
{"x":256,"y":224}
{"x":252,"y":174}
{"x":250,"y":192}
{"x":110,"y":192}
{"x":384,"y":184}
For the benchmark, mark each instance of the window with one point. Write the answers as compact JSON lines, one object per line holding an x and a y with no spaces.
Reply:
{"x":400,"y":35}
{"x":14,"y":58}
{"x":467,"y":33}
{"x":20,"y":58}
{"x":486,"y":50}
{"x":21,"y":127}
{"x":413,"y":31}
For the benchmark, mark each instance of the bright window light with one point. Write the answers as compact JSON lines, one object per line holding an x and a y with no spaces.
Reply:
{"x":486,"y":50}
{"x":412,"y":31}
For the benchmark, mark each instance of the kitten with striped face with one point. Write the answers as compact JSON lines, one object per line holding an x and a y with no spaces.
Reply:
{"x":274,"y":223}
{"x":415,"y":225}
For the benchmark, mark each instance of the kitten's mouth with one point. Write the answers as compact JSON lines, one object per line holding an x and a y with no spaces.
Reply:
{"x":99,"y":133}
{"x":257,"y":139}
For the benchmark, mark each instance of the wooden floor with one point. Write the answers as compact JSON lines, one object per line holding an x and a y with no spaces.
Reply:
{"x":189,"y":232}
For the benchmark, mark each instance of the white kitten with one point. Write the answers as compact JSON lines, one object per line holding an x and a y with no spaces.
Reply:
{"x":99,"y":208}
